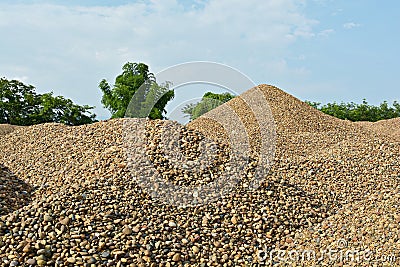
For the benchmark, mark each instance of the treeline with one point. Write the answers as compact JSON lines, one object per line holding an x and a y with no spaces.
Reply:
{"x":21,"y":105}
{"x":208,"y":102}
{"x":359,"y":112}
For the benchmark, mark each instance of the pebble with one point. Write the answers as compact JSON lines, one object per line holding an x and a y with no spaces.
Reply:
{"x":47,"y":218}
{"x":105,"y":254}
{"x":31,"y":262}
{"x":195,"y":249}
{"x":65,"y":221}
{"x":92,"y":260}
{"x":71,"y":260}
{"x":176,"y":257}
{"x":127,"y":230}
{"x":41,"y":262}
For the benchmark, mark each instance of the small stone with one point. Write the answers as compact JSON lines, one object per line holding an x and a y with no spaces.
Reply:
{"x":31,"y":262}
{"x":47,"y":218}
{"x":91,"y":260}
{"x":121,"y":165}
{"x":40,"y":257}
{"x":71,"y":260}
{"x":234,"y":220}
{"x":27,"y":248}
{"x":41,"y":251}
{"x":65,"y":221}
{"x":14,"y":263}
{"x":176,"y":257}
{"x":105,"y":254}
{"x":41,"y":262}
{"x":127,"y":230}
{"x":172,"y":224}
{"x":195,"y":249}
{"x":147,"y":252}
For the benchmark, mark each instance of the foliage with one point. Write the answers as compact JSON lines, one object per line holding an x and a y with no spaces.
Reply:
{"x":133,"y":76}
{"x":208,"y":102}
{"x":359,"y":112}
{"x":21,"y":105}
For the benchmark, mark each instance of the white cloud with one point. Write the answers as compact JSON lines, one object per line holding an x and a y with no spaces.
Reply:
{"x":326,"y":33}
{"x":351,"y":25}
{"x":20,"y":78}
{"x":337,"y":12}
{"x":69,"y":49}
{"x":301,"y":57}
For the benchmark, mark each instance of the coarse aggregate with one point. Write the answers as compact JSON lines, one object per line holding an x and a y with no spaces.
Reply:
{"x":73,"y":196}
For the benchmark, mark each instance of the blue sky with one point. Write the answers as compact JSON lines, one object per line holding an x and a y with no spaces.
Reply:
{"x":319,"y":50}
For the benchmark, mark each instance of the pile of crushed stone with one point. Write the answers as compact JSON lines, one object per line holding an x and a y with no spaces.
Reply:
{"x":98,"y":195}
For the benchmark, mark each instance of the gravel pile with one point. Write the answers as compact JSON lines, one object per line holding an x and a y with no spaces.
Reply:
{"x":80,"y":200}
{"x":7,"y":128}
{"x":390,"y":128}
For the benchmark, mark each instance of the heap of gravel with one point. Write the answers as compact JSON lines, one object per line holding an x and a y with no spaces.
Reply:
{"x":390,"y":128}
{"x":7,"y":128}
{"x":83,"y":202}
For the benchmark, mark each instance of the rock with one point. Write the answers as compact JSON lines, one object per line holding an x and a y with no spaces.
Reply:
{"x":65,"y":221}
{"x":105,"y":254}
{"x":195,"y":249}
{"x":127,"y":230}
{"x":47,"y":218}
{"x":26,"y":248}
{"x":71,"y":260}
{"x":91,"y":260}
{"x":234,"y":220}
{"x":41,"y":262}
{"x":176,"y":257}
{"x":31,"y":262}
{"x":147,"y":252}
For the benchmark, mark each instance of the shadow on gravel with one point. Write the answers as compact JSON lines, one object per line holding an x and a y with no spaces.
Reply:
{"x":14,"y":193}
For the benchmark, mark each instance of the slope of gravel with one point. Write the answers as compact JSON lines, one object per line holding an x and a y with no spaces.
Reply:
{"x":87,"y":208}
{"x":7,"y":128}
{"x":338,"y":160}
{"x":86,"y":205}
{"x":390,"y":128}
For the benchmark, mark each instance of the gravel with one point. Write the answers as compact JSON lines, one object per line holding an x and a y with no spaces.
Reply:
{"x":389,"y":128}
{"x":71,"y":196}
{"x":7,"y":128}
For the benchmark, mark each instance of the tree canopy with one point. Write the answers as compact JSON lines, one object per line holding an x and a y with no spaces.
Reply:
{"x":21,"y":105}
{"x":117,"y":98}
{"x":208,"y":102}
{"x":359,"y":112}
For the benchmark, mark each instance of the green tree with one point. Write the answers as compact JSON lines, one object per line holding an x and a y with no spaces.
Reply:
{"x":21,"y":105}
{"x":208,"y":102}
{"x":359,"y":112}
{"x":127,"y":84}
